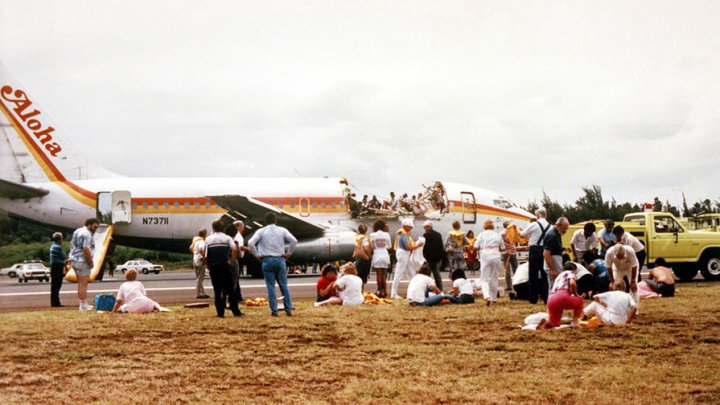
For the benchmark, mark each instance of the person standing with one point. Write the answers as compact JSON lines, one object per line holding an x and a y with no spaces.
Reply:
{"x":584,"y":240}
{"x":404,"y":245}
{"x":626,"y":238}
{"x":268,"y":244}
{"x":82,"y":250}
{"x":554,"y":249}
{"x":509,"y":258}
{"x":57,"y":268}
{"x":606,"y":237}
{"x":238,"y":265}
{"x":623,"y":265}
{"x":198,"y":250}
{"x":362,"y":253}
{"x":470,"y":252}
{"x":220,"y":253}
{"x":380,"y":242}
{"x":433,"y":251}
{"x":535,"y":232}
{"x":489,"y":245}
{"x":455,"y":246}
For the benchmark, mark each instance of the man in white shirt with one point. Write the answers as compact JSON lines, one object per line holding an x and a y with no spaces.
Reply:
{"x":238,"y":265}
{"x":538,"y":284}
{"x":626,"y":238}
{"x":420,"y":285}
{"x":613,"y":307}
{"x":622,"y":264}
{"x":584,"y":240}
{"x":198,"y":250}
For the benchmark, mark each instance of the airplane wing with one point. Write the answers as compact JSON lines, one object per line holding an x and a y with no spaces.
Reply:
{"x":253,"y":211}
{"x":12,"y":190}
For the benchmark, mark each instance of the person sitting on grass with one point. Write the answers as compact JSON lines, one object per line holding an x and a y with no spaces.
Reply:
{"x":613,"y":307}
{"x":564,"y":295}
{"x":421,"y":285}
{"x":462,"y":288}
{"x":132,"y":297}
{"x":661,"y":278}
{"x":348,"y":287}
{"x":326,"y":283}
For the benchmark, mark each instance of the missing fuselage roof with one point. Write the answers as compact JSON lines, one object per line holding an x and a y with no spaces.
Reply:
{"x":432,"y":203}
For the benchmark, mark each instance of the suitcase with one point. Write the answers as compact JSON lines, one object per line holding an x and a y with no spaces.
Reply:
{"x":104,"y":302}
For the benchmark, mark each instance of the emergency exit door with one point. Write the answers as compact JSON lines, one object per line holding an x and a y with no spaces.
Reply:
{"x":469,"y":212}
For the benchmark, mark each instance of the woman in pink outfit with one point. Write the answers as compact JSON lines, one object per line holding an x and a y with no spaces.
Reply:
{"x":132,"y":298}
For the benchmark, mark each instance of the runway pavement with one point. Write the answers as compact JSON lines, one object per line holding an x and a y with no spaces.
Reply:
{"x":172,"y":287}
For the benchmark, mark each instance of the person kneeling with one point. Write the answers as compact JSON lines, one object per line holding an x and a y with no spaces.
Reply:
{"x":462,"y":288}
{"x":564,"y":295}
{"x":421,"y":285}
{"x":348,"y":287}
{"x":132,"y":297}
{"x":613,"y":307}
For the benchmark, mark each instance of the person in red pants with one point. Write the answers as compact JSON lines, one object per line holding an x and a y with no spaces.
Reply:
{"x":564,"y":296}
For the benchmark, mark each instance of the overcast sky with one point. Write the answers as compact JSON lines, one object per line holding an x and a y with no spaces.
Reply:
{"x":517,"y":97}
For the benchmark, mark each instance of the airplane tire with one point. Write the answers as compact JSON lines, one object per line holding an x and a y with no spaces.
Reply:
{"x":710,"y":266}
{"x":685,"y":272}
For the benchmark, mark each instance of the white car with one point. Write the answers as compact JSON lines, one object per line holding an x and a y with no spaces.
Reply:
{"x":140,"y":265}
{"x":33,"y":271}
{"x":11,"y":271}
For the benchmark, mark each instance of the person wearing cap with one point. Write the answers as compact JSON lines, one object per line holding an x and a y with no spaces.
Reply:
{"x":433,"y":251}
{"x":455,"y":246}
{"x":509,"y":258}
{"x":404,"y":245}
{"x":490,"y":247}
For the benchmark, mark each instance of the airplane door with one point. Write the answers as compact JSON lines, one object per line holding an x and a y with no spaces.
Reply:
{"x":121,"y":208}
{"x":469,"y":213}
{"x":304,"y":207}
{"x":103,"y":211}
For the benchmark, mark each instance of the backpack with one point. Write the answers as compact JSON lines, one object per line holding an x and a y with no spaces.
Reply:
{"x":104,"y":302}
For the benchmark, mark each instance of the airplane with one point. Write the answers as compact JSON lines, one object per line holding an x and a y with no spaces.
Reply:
{"x":43,"y":180}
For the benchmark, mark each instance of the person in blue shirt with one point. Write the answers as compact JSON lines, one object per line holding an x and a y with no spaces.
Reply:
{"x":600,"y":272}
{"x":606,"y":237}
{"x":57,"y":268}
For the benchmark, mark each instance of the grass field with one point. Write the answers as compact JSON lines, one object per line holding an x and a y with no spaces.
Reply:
{"x":385,"y":354}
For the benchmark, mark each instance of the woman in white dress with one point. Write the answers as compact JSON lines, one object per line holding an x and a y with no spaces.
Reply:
{"x":380,"y":242}
{"x":131,"y":297}
{"x":489,"y":245}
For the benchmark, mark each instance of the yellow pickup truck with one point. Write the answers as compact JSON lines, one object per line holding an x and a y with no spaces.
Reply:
{"x":686,"y":251}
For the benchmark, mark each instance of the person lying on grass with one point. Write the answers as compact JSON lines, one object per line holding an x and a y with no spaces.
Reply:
{"x":421,"y":285}
{"x":348,"y":288}
{"x":132,"y":297}
{"x":612,"y":307}
{"x":326,"y":283}
{"x":462,"y":288}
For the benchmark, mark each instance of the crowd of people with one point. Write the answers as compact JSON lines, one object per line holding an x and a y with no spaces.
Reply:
{"x":599,"y":266}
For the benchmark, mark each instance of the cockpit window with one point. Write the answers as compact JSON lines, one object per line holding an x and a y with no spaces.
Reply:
{"x":502,"y":203}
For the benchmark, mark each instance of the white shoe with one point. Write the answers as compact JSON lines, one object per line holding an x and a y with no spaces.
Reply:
{"x":395,"y":297}
{"x":86,"y":307}
{"x":163,"y":309}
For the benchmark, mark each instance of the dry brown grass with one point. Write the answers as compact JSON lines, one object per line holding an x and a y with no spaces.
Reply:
{"x":386,"y":354}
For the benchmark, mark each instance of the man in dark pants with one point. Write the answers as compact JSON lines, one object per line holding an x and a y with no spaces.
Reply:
{"x":57,"y":268}
{"x":537,"y":284}
{"x":220,"y":253}
{"x":433,"y":251}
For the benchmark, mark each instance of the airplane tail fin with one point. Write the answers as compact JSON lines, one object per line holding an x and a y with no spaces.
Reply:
{"x":32,"y":149}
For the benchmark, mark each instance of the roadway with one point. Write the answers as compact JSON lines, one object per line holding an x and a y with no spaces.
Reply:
{"x":172,"y":287}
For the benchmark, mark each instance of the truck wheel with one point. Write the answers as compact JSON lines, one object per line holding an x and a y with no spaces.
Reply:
{"x":710,"y":266}
{"x":685,"y":272}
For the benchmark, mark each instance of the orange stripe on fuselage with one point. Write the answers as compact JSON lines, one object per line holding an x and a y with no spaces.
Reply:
{"x":457,"y":207}
{"x":52,"y":172}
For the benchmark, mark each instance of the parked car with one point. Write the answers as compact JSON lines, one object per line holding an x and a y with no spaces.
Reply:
{"x":11,"y":271}
{"x":33,"y":271}
{"x":140,"y":265}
